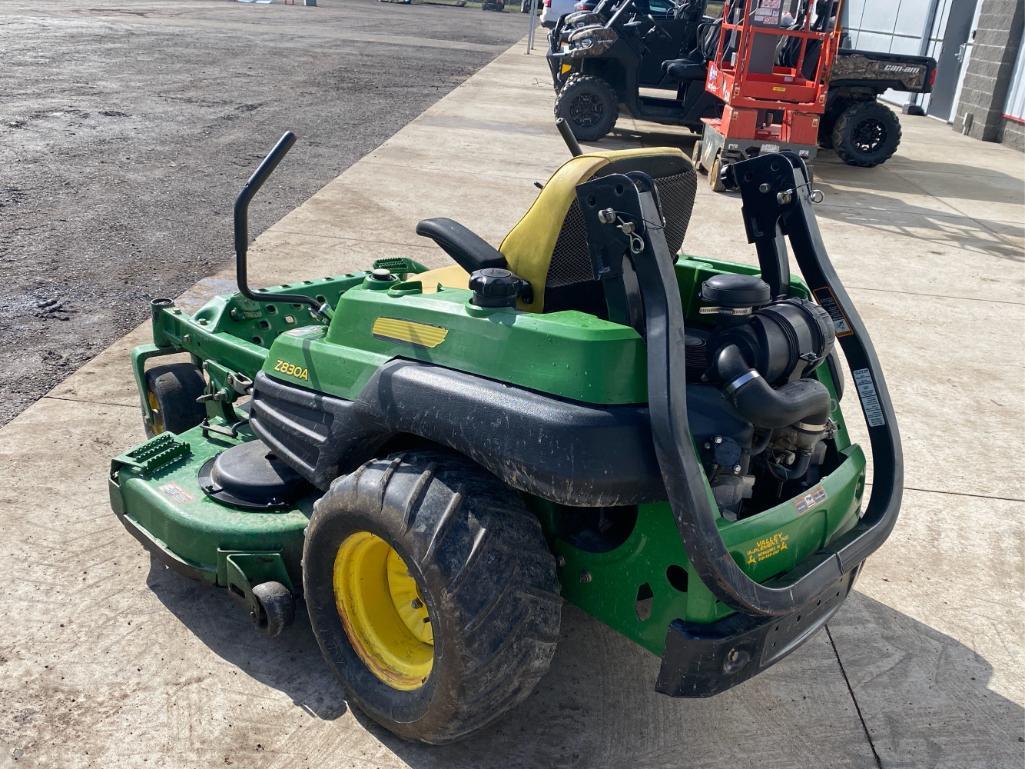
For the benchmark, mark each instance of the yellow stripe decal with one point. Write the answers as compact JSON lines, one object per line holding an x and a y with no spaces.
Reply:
{"x":406,"y":331}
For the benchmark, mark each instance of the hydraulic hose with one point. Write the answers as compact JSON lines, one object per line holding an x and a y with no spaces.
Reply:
{"x":804,"y":402}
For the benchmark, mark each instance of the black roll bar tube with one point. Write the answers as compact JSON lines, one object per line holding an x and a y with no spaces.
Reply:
{"x":249,"y":190}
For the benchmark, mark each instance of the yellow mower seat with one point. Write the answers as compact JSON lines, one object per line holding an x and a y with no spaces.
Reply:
{"x":548,"y":246}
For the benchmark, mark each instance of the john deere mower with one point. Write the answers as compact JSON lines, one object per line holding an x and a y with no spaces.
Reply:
{"x":433,"y":460}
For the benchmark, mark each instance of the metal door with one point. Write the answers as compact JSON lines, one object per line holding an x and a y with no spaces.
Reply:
{"x":952,"y":58}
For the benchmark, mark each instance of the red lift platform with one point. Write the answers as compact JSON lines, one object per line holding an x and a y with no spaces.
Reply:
{"x":771,"y":68}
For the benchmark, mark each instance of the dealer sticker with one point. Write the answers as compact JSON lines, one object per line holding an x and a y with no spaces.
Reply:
{"x":176,"y":493}
{"x":767,"y":548}
{"x":811,"y":498}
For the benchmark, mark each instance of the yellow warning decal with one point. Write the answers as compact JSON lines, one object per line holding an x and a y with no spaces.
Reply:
{"x":767,"y":548}
{"x":420,"y":334}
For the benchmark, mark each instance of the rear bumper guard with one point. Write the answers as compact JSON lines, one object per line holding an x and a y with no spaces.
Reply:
{"x":703,"y":660}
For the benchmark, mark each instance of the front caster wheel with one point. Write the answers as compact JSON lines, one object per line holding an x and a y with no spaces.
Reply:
{"x":431,"y":592}
{"x":171,"y":391}
{"x":274,"y":609}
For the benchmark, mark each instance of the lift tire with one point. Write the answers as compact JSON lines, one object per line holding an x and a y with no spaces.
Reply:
{"x":484,"y":578}
{"x":589,"y":105}
{"x":276,"y":608}
{"x":172,"y":390}
{"x":826,"y":124}
{"x":714,"y":175}
{"x":866,"y":134}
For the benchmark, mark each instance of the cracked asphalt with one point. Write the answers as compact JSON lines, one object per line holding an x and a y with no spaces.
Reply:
{"x":127,"y":128}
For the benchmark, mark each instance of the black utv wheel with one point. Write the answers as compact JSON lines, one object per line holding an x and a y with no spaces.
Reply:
{"x":866,"y":134}
{"x":172,"y":391}
{"x":589,"y":105}
{"x":431,"y":592}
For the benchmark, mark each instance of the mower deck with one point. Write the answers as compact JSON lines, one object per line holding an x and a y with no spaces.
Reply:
{"x":156,"y":491}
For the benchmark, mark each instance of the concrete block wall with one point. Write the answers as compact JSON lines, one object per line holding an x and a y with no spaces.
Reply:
{"x":1014,"y":135}
{"x":984,"y":94}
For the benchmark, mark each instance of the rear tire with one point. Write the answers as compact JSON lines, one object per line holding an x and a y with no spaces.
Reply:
{"x":172,"y":391}
{"x":589,"y":105}
{"x":866,"y":134}
{"x":484,"y":579}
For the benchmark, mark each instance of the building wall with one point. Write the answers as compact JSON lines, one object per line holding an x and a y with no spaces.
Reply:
{"x":1014,"y":135}
{"x":991,"y":71}
{"x":1013,"y":131}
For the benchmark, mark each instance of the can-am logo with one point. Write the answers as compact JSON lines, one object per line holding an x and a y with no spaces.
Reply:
{"x":899,"y":68}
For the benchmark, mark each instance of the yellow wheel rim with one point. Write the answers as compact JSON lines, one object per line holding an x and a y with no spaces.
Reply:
{"x":383,"y":611}
{"x":157,"y":423}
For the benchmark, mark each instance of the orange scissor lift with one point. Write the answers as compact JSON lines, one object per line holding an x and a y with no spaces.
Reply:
{"x":771,"y":69}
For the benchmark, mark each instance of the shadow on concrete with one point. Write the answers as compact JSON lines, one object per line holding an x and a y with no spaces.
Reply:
{"x":892,"y":214}
{"x":964,"y":180}
{"x":656,"y":138}
{"x":984,"y":184}
{"x":597,"y":707}
{"x":290,"y":663}
{"x":895,"y":217}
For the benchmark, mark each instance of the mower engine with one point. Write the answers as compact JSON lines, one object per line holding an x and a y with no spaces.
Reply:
{"x":761,"y":354}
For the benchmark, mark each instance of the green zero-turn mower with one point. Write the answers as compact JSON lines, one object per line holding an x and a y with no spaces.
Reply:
{"x":436,"y":459}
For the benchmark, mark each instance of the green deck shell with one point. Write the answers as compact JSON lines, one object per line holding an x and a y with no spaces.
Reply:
{"x":167,"y":506}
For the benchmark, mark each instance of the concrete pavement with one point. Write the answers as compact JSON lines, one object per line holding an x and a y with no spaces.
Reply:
{"x":109,"y":661}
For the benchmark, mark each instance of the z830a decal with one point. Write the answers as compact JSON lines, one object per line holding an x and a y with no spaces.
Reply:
{"x":292,"y":370}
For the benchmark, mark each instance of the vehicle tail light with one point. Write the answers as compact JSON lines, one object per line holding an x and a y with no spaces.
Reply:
{"x":932,"y":76}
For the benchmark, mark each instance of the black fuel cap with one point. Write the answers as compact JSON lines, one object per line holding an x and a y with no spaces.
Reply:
{"x":495,"y":287}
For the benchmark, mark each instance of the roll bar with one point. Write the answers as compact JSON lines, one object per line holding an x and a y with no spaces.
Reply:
{"x":249,"y":190}
{"x":776,"y":204}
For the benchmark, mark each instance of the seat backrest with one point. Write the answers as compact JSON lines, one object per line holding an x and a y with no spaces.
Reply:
{"x":548,"y":246}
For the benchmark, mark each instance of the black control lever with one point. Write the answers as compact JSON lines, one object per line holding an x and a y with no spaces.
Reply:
{"x":568,"y":137}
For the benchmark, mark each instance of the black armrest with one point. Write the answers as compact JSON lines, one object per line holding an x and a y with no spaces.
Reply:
{"x":470,"y":251}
